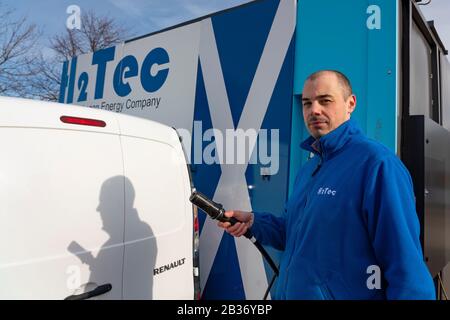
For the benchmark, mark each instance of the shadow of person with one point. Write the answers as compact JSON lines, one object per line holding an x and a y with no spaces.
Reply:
{"x":131,"y":242}
{"x":140,"y":250}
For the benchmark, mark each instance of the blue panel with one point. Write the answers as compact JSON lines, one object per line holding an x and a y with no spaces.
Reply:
{"x":271,"y":195}
{"x":297,"y":133}
{"x":205,"y":177}
{"x":382,"y":77}
{"x":241,"y":35}
{"x":225,"y":280}
{"x":221,"y":283}
{"x":334,"y":35}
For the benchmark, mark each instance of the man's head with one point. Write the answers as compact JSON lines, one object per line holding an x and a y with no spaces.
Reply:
{"x":327,"y":100}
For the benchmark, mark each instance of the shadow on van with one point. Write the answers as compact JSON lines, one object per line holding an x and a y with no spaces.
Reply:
{"x":136,"y":249}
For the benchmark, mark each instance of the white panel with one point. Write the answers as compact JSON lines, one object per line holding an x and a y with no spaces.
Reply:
{"x":420,"y":74}
{"x":175,"y":97}
{"x":445,"y":92}
{"x":158,"y":226}
{"x":56,"y":198}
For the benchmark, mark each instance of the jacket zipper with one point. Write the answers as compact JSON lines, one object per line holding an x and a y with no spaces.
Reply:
{"x":319,"y":165}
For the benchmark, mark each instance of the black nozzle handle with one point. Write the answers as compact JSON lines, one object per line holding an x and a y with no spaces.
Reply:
{"x":214,"y":210}
{"x":217,"y":212}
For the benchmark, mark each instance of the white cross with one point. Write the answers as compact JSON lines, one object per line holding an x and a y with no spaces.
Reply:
{"x":232,"y":189}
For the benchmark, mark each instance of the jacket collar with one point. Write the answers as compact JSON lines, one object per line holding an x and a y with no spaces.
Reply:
{"x":333,"y":141}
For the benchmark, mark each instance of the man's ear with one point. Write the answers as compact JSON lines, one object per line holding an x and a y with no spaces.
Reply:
{"x":351,"y":104}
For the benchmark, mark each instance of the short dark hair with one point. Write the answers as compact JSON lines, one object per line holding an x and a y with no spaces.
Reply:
{"x":342,"y":78}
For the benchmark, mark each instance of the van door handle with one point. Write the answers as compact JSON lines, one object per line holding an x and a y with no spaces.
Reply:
{"x":93,"y":293}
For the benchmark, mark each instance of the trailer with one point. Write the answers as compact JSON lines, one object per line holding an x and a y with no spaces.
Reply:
{"x":236,"y":77}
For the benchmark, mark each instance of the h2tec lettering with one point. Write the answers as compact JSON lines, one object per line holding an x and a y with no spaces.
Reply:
{"x":153,"y":74}
{"x":326,"y":192}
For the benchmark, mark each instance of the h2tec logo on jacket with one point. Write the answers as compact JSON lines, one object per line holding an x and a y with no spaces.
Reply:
{"x":325,"y":191}
{"x":152,"y":74}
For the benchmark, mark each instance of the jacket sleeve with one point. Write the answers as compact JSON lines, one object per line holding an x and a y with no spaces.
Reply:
{"x":393,"y":226}
{"x":269,"y":229}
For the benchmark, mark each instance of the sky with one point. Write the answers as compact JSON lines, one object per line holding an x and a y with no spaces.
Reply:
{"x":439,"y":11}
{"x":140,"y":16}
{"x":145,"y":16}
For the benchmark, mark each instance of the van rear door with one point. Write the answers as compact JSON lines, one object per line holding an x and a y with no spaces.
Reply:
{"x":158,"y":260}
{"x":61,"y":203}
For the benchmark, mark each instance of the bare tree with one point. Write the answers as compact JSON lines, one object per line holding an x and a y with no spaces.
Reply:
{"x":45,"y":83}
{"x":18,"y":41}
{"x":67,"y":45}
{"x":100,"y":32}
{"x":97,"y":32}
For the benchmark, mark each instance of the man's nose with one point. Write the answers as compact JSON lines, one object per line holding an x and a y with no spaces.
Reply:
{"x":316,"y":108}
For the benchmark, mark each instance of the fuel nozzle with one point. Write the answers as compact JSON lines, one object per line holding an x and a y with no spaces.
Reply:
{"x":213,"y":209}
{"x":217,"y":212}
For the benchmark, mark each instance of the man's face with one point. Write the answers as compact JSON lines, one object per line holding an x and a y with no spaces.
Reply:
{"x":325,"y":105}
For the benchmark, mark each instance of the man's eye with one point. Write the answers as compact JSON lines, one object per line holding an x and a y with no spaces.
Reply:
{"x":306,"y":104}
{"x":325,"y":101}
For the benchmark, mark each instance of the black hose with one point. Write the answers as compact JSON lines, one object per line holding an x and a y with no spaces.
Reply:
{"x":267,"y":257}
{"x":217,"y":212}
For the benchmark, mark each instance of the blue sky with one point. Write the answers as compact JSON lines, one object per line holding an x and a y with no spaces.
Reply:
{"x":145,"y":16}
{"x":141,"y":16}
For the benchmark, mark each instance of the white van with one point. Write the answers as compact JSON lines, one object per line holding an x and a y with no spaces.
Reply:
{"x":93,"y":204}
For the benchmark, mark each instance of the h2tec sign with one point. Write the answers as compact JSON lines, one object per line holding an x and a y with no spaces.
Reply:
{"x":139,"y":77}
{"x":152,"y":74}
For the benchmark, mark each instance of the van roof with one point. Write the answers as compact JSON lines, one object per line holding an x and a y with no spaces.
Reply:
{"x":27,"y":113}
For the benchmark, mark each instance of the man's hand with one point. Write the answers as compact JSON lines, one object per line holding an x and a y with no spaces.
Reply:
{"x":239,"y":228}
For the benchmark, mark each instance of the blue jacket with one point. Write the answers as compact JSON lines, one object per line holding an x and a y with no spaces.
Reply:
{"x":350,"y":221}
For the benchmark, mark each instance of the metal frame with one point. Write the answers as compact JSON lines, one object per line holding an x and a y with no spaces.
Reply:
{"x":421,"y":137}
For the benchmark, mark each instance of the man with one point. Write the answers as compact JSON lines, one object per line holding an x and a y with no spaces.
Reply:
{"x":350,"y":229}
